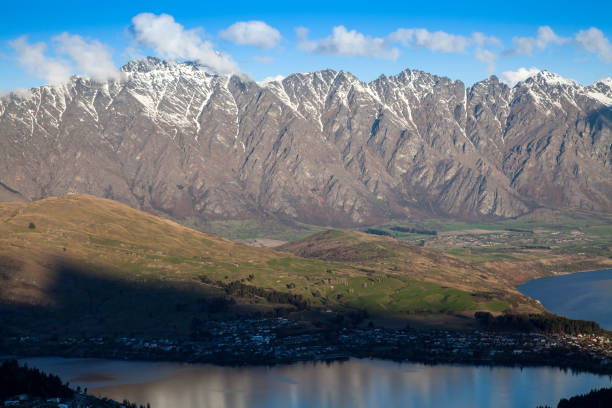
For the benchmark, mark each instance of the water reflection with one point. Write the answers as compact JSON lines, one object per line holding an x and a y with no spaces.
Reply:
{"x":354,"y":383}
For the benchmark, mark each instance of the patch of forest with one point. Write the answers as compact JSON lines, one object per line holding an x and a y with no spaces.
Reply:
{"x":601,"y":398}
{"x":237,"y":288}
{"x":538,"y":323}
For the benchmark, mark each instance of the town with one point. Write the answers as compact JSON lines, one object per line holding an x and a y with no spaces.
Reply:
{"x":282,"y":341}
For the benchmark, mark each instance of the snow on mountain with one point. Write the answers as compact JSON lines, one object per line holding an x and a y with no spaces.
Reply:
{"x":320,"y":147}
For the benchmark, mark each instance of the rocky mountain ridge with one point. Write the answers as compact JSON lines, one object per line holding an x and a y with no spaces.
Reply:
{"x":321,"y":147}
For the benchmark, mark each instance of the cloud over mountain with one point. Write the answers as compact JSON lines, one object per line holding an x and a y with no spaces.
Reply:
{"x":170,"y":39}
{"x":545,"y":37}
{"x":346,"y":43}
{"x":255,"y":33}
{"x":594,"y":41}
{"x":434,"y":41}
{"x":33,"y":58}
{"x":93,"y":58}
{"x":513,"y":77}
{"x":56,"y":59}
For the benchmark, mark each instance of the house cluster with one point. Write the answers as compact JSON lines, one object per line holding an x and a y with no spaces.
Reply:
{"x":520,"y":239}
{"x":270,"y":341}
{"x":25,"y":400}
{"x":79,"y":400}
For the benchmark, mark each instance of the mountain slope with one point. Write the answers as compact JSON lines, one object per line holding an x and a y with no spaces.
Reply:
{"x":88,"y":265}
{"x":322,"y":148}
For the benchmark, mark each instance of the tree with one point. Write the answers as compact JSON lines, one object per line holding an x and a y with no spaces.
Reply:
{"x":32,"y":226}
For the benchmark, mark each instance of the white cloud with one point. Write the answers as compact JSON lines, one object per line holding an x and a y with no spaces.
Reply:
{"x":302,"y":36}
{"x":487,"y":56}
{"x":32,"y":57}
{"x":23,"y":93}
{"x":441,"y":41}
{"x":434,"y":41}
{"x":92,"y":58}
{"x":264,"y":59}
{"x":255,"y":33}
{"x":512,"y":77}
{"x":593,"y":40}
{"x":482,"y":40}
{"x":132,"y":52}
{"x":269,"y":79}
{"x":347,"y":43}
{"x":544,"y":37}
{"x":169,"y":39}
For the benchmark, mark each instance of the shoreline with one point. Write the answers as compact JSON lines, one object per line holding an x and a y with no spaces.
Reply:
{"x":589,"y":353}
{"x":339,"y":359}
{"x":560,"y":311}
{"x":555,"y":274}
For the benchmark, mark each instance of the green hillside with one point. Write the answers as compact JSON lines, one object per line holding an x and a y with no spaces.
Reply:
{"x":89,"y":265}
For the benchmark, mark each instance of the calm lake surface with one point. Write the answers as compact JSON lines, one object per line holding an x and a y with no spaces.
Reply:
{"x":353,"y":383}
{"x":585,"y":295}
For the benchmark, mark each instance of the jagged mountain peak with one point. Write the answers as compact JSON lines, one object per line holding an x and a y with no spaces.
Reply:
{"x":493,"y":79}
{"x":415,"y":75}
{"x":325,"y":75}
{"x":269,"y":80}
{"x":549,"y":78}
{"x":315,"y":82}
{"x":550,"y":90}
{"x":604,"y":81}
{"x":148,"y":64}
{"x":603,"y":85}
{"x":319,"y":146}
{"x":492,"y":82}
{"x":346,"y":76}
{"x":155,"y":69}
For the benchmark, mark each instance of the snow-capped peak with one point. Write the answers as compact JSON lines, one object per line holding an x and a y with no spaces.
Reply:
{"x":146,"y":64}
{"x":150,"y":64}
{"x":601,"y":91}
{"x":605,"y":82}
{"x":551,"y":78}
{"x":266,"y":81}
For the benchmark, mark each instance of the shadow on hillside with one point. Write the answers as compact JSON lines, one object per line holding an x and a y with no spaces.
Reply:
{"x":90,"y":303}
{"x":600,"y":119}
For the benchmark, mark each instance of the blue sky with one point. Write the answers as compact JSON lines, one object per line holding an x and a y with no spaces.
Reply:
{"x":279,"y":38}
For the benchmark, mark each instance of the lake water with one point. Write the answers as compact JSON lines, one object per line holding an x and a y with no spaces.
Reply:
{"x":353,"y":383}
{"x":356,"y":383}
{"x":585,"y":295}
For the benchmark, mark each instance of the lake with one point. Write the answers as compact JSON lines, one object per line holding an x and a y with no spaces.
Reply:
{"x":584,"y":295}
{"x":353,"y":383}
{"x":356,"y":383}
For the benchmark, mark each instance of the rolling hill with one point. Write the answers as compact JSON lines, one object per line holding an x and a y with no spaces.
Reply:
{"x":86,"y":265}
{"x":405,"y":260}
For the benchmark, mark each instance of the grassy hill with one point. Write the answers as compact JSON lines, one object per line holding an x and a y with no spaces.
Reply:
{"x":542,"y":243}
{"x":86,"y":265}
{"x":441,"y":278}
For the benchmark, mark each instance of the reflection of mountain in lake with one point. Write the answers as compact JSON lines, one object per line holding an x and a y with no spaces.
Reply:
{"x":586,"y":296}
{"x":355,"y":383}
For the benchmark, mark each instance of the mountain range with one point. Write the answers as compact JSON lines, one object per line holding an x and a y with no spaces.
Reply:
{"x":322,"y":147}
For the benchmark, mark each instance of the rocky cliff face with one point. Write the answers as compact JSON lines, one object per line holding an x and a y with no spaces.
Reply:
{"x":318,"y":147}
